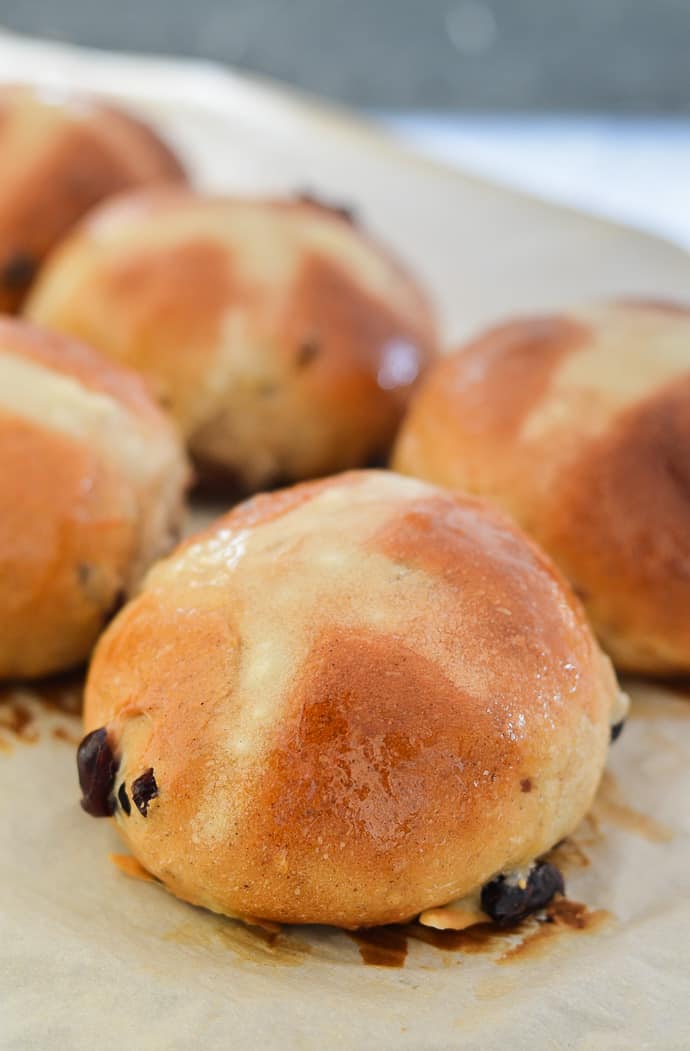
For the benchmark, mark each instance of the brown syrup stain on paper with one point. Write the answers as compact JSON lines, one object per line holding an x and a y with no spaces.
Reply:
{"x":249,"y":943}
{"x":61,"y":733}
{"x":381,"y":946}
{"x":22,"y":707}
{"x":16,"y":723}
{"x":256,"y":941}
{"x":62,"y":693}
{"x":480,"y":938}
{"x":562,"y":916}
{"x":388,"y":946}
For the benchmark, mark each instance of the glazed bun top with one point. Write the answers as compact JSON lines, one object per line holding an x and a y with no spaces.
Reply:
{"x":61,"y":154}
{"x":355,"y":700}
{"x":284,"y":341}
{"x":578,"y":425}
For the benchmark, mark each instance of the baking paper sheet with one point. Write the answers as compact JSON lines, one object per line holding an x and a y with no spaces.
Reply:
{"x":91,"y":958}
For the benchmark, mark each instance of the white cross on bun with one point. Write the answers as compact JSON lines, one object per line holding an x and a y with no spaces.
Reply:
{"x":284,"y":341}
{"x":578,"y":425}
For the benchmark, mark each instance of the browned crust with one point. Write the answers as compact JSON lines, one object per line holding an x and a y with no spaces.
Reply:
{"x":516,"y":362}
{"x":474,"y":550}
{"x":347,"y":332}
{"x":167,"y":310}
{"x":626,"y":499}
{"x":351,"y":329}
{"x":64,"y":548}
{"x":477,"y":398}
{"x":462,"y":427}
{"x":373,"y":765}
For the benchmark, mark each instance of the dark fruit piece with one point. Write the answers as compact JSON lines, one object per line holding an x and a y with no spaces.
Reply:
{"x":18,"y":272}
{"x":144,"y":789}
{"x":307,"y":353}
{"x":507,"y":903}
{"x":124,"y":799}
{"x":97,"y":768}
{"x":617,"y":730}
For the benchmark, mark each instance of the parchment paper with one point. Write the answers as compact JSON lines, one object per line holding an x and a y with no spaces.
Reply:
{"x":92,"y":959}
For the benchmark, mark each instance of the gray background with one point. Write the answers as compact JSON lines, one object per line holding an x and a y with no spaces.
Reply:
{"x":629,"y":56}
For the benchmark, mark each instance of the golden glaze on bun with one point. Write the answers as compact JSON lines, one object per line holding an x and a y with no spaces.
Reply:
{"x":91,"y":484}
{"x":284,"y":341}
{"x":347,"y":702}
{"x":61,"y":154}
{"x":579,"y":426}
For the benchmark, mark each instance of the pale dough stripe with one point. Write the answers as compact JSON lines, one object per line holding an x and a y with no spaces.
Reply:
{"x":271,"y":240}
{"x":612,"y":372}
{"x":266,"y":245}
{"x":321,"y":567}
{"x":58,"y":402}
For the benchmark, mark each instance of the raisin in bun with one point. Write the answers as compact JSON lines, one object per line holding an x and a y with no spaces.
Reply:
{"x":92,"y":477}
{"x":284,"y":341}
{"x":61,"y":154}
{"x":346,"y":703}
{"x":579,"y":426}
